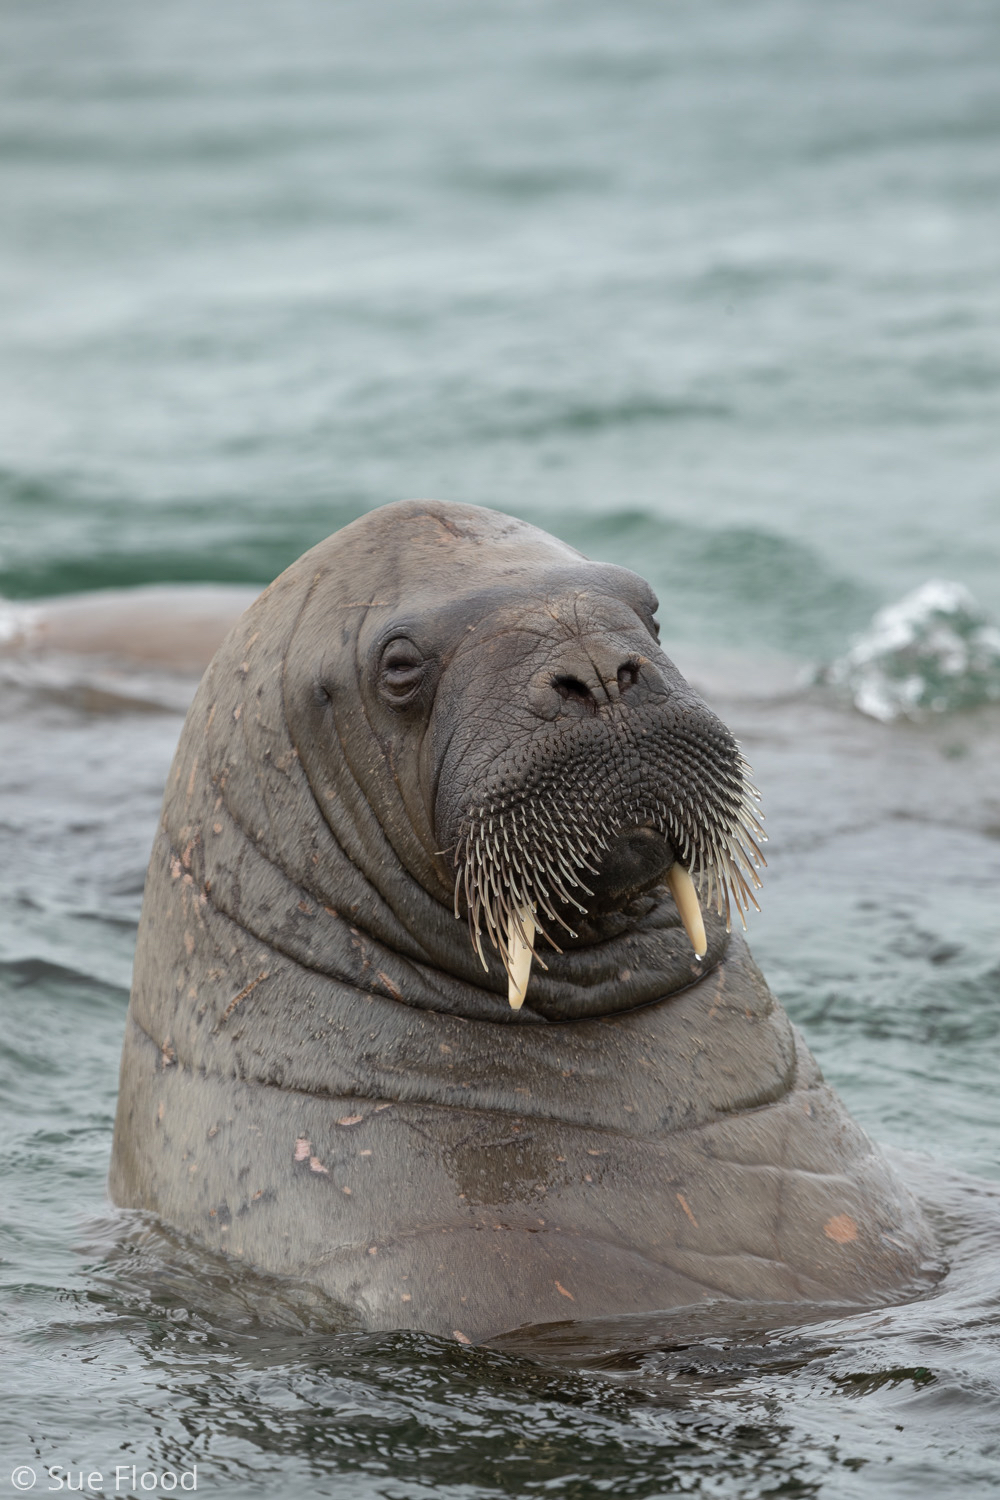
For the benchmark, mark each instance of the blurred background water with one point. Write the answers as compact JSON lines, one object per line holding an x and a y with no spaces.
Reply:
{"x":711,"y":290}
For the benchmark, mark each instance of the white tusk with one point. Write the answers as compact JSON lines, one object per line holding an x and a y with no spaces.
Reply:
{"x":519,"y":957}
{"x":686,"y":897}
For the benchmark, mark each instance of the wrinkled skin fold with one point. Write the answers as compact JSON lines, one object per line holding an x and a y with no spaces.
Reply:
{"x":435,"y":708}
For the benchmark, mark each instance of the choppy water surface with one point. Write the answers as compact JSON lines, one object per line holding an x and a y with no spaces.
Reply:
{"x":712,"y":291}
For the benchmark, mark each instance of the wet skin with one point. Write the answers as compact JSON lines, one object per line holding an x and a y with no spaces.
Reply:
{"x":320,"y":1076}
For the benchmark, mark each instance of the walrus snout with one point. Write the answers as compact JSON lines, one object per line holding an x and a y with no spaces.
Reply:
{"x":610,"y":777}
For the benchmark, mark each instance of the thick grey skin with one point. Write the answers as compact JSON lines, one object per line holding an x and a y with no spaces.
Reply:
{"x":318,"y":1076}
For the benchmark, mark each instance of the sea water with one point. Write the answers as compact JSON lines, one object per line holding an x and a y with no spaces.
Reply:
{"x":710,"y":290}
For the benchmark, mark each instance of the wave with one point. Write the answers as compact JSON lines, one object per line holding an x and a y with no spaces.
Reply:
{"x":935,"y":651}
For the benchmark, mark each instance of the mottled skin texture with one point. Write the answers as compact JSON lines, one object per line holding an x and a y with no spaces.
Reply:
{"x":319,"y":1077}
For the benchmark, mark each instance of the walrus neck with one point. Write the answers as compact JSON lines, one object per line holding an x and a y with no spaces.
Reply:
{"x":417,"y":954}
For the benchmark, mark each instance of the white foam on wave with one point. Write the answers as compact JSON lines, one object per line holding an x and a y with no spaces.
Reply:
{"x":934,"y":651}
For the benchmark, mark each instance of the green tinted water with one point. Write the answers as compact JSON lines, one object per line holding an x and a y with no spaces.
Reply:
{"x":708,"y":290}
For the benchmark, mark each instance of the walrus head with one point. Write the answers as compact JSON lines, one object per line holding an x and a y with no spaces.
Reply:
{"x":487,"y":729}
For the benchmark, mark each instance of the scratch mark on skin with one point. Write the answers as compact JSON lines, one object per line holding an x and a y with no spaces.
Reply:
{"x":388,"y":985}
{"x":303,"y":1148}
{"x":563,"y":1292}
{"x":315,"y":1165}
{"x":450,"y":528}
{"x":684,"y":1204}
{"x":460,"y":1337}
{"x":244,"y":992}
{"x":721,"y":973}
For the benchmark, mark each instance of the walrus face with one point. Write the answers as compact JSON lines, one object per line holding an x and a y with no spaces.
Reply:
{"x":566,"y":765}
{"x":487,"y":723}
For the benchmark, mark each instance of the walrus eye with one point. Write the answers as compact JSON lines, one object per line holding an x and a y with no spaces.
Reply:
{"x":401,"y":673}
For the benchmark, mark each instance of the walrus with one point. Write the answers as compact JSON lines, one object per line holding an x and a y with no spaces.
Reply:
{"x":438,"y":1001}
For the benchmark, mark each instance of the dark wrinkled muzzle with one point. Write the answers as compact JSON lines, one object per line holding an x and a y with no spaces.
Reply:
{"x":611,"y":772}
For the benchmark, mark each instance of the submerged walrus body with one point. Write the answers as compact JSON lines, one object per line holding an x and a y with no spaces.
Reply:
{"x":441,"y":712}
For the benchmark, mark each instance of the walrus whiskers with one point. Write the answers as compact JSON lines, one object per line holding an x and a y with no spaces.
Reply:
{"x":520,"y":860}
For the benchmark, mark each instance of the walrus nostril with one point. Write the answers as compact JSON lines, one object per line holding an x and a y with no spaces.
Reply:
{"x":572,"y":687}
{"x":628,"y":675}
